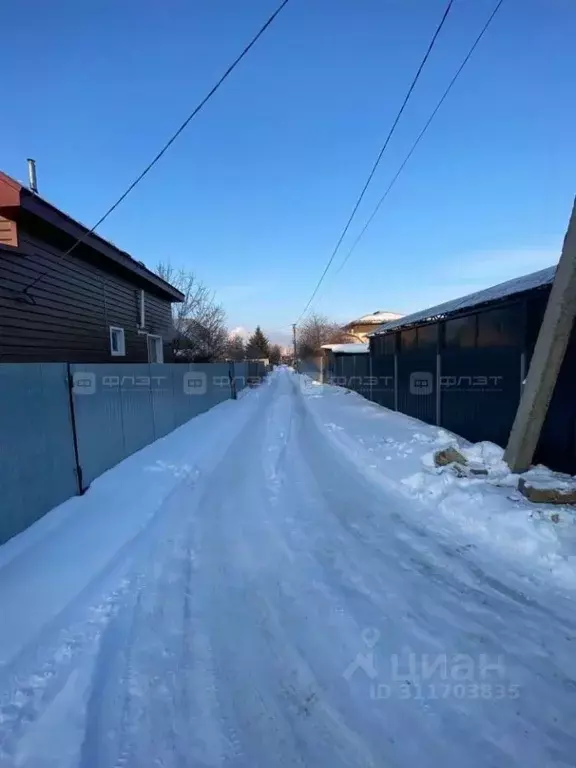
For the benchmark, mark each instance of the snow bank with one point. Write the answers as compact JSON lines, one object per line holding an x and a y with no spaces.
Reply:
{"x":398,"y":451}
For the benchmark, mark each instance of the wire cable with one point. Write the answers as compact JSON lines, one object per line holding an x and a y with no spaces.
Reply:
{"x":421,"y":134}
{"x":170,"y":141}
{"x":379,"y":157}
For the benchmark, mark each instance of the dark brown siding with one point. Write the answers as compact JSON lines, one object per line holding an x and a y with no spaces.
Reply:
{"x":75,"y":304}
{"x":159,"y":322}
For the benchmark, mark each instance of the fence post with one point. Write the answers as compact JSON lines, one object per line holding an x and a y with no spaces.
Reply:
{"x":77,"y":468}
{"x":370,"y":387}
{"x":232,"y":377}
{"x":438,"y":389}
{"x":395,"y":381}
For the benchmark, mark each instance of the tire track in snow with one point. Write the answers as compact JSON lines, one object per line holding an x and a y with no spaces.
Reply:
{"x":34,"y":680}
{"x":154,"y":655}
{"x":230,"y":644}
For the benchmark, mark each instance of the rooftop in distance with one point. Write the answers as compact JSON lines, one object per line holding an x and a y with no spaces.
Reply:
{"x":374,"y":318}
{"x":346,"y":349}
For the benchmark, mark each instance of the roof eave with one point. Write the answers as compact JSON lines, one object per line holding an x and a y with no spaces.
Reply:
{"x":393,"y":325}
{"x":15,"y":197}
{"x":39,"y":207}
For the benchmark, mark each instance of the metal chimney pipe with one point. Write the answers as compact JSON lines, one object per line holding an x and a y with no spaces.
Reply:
{"x":32,"y":181}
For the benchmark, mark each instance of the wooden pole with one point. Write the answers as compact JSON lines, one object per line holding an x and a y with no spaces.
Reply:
{"x":548,"y":355}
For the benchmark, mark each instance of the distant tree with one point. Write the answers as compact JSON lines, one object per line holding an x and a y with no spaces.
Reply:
{"x":316,"y":331}
{"x":204,"y":342}
{"x":235,"y":349}
{"x":258,"y":345}
{"x":275,"y":354}
{"x":200,"y":333}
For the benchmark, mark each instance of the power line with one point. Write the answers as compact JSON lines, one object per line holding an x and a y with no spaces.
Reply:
{"x":171,"y":140}
{"x":380,"y":154}
{"x":421,"y":134}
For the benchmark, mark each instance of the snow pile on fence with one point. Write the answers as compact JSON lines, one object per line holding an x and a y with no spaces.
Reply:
{"x":347,"y":349}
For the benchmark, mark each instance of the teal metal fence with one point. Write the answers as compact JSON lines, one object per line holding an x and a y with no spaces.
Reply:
{"x":61,"y":426}
{"x":37,"y":461}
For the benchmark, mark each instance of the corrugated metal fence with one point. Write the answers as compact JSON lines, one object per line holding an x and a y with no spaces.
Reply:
{"x":452,"y":374}
{"x":37,"y":463}
{"x":466,"y":374}
{"x":311,"y":367}
{"x":348,"y":370}
{"x":64,"y":425}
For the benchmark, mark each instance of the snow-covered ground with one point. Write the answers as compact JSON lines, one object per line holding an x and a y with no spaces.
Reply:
{"x":287,"y":580}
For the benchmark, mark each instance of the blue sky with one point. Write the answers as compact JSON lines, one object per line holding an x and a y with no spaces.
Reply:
{"x":253,"y":196}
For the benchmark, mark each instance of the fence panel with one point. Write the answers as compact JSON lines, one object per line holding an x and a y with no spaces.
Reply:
{"x":312,"y":367}
{"x":137,"y":408}
{"x":98,"y":408}
{"x":361,"y":383}
{"x":382,"y":378}
{"x":218,"y":385}
{"x":118,"y":409}
{"x":240,"y":373}
{"x":417,"y":384}
{"x":557,"y":444}
{"x":480,"y":391}
{"x":121,"y":408}
{"x":257,"y":371}
{"x":182,"y":385}
{"x":353,"y":372}
{"x":37,"y":462}
{"x":329,"y":366}
{"x":162,"y":394}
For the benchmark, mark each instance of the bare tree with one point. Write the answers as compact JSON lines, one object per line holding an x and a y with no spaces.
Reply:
{"x":235,"y":348}
{"x":199,"y":321}
{"x":275,"y":354}
{"x":316,"y":331}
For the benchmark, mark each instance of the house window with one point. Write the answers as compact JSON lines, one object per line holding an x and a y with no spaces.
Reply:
{"x":117,"y":343}
{"x":155,"y":349}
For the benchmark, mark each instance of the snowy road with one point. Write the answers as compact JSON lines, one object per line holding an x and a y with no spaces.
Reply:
{"x":281,"y":609}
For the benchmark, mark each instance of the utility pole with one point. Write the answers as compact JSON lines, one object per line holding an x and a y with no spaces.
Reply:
{"x":547,"y":358}
{"x":294,"y":342}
